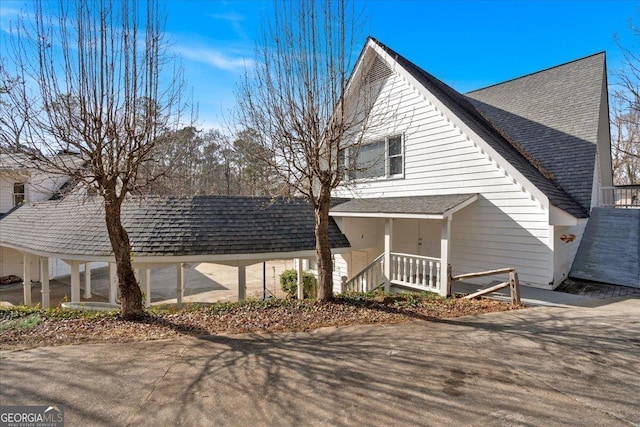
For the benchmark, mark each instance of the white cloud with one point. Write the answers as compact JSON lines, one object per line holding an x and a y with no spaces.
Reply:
{"x":9,"y":12}
{"x":8,"y":17}
{"x":234,"y":19}
{"x":230,"y":16}
{"x":214,"y":57}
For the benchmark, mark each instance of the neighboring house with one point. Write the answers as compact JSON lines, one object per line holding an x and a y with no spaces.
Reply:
{"x":505,"y":176}
{"x":22,"y":181}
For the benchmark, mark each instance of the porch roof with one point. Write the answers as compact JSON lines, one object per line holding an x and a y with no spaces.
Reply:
{"x":422,"y":207}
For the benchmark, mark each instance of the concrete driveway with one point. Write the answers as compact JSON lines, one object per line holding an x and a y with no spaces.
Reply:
{"x":542,"y":366}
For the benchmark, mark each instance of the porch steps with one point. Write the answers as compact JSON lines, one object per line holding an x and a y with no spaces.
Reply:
{"x":610,"y":248}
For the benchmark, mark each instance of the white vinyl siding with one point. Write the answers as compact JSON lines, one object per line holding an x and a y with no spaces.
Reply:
{"x":564,"y":253}
{"x":6,"y":194}
{"x":340,"y":268}
{"x":506,"y":227}
{"x":38,"y":186}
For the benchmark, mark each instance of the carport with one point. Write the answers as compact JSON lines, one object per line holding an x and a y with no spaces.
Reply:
{"x":231,"y":230}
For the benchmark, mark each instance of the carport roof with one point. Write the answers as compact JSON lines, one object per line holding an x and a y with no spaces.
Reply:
{"x":426,"y":207}
{"x":168,"y":226}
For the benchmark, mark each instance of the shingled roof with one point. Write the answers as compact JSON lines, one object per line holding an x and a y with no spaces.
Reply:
{"x":169,"y":226}
{"x":437,"y":205}
{"x":514,"y":147}
{"x":554,"y":115}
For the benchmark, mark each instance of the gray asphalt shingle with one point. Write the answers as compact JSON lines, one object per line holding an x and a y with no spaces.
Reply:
{"x":514,"y":148}
{"x":554,"y":115}
{"x":169,"y":226}
{"x":422,"y":205}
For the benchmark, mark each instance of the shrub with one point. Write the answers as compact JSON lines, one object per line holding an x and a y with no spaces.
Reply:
{"x":22,"y":324}
{"x":289,"y":283}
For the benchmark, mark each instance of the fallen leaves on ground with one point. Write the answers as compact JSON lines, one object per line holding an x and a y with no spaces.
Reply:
{"x":58,"y":327}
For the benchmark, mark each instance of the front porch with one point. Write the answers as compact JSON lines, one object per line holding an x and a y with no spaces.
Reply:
{"x":413,"y":252}
{"x":406,"y":271}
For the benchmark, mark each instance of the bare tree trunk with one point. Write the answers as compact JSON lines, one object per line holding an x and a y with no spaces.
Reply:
{"x":323,"y":246}
{"x":96,"y":79}
{"x":131,"y":296}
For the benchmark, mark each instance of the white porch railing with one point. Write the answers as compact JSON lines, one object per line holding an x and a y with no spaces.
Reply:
{"x":407,"y":270}
{"x":621,"y":196}
{"x":415,"y":271}
{"x":370,"y":278}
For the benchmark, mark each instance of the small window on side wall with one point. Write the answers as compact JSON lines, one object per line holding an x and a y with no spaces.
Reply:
{"x":394,"y":154}
{"x":18,"y":193}
{"x":383,"y":158}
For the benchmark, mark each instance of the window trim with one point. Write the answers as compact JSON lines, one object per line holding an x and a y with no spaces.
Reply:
{"x":387,"y":160}
{"x":22,"y":194}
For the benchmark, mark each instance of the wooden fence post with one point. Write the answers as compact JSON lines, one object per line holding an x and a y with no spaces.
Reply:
{"x":515,"y":288}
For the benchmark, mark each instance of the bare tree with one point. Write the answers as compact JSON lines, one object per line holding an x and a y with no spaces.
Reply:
{"x":178,"y":163}
{"x":94,"y":78}
{"x":625,"y":120}
{"x":303,"y":106}
{"x":625,"y":142}
{"x":255,"y":177}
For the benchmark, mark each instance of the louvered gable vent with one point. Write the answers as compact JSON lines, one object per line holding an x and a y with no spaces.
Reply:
{"x":377,"y":71}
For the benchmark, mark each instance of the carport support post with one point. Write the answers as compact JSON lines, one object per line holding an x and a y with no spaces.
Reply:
{"x":445,"y":256}
{"x":147,"y":284}
{"x":87,"y":280}
{"x":44,"y":280}
{"x":388,"y":238}
{"x":300,"y":277}
{"x":75,"y":281}
{"x":26,"y":278}
{"x":179,"y":282}
{"x":242,"y":282}
{"x":113,"y":283}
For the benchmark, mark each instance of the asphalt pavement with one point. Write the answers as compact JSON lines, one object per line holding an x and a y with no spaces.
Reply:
{"x":552,"y":366}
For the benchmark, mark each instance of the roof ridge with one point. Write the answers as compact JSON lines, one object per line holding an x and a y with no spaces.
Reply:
{"x":448,"y":94}
{"x":602,"y":52}
{"x":527,"y":156}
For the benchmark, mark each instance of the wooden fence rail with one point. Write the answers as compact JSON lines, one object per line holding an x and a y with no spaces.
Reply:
{"x":513,"y":283}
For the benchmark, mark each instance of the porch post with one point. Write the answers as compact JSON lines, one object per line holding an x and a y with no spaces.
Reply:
{"x":388,"y":238}
{"x":44,"y":280}
{"x":26,"y":277}
{"x":87,"y":280}
{"x":242,"y":282}
{"x":445,"y":257}
{"x":179,"y":283}
{"x":75,"y":281}
{"x":300,"y":274}
{"x":113,"y":283}
{"x":147,"y":283}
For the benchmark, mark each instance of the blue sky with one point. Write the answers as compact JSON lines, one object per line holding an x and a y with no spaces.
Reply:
{"x":467,"y":44}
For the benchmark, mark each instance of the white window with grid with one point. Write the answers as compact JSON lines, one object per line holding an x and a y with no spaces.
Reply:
{"x":383,"y":158}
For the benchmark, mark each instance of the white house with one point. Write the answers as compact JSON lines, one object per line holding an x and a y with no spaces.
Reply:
{"x":22,"y":181}
{"x":505,"y":176}
{"x":515,"y":175}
